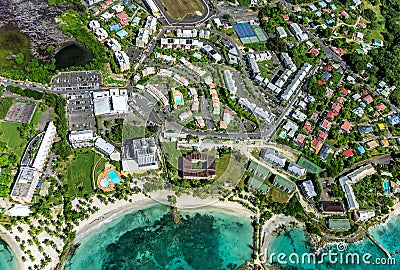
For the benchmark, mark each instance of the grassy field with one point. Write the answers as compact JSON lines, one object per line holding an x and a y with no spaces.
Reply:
{"x":266,"y":68}
{"x":79,"y":172}
{"x":376,"y":33}
{"x":178,"y":9}
{"x":278,"y":195}
{"x":10,"y":135}
{"x":169,"y":148}
{"x":36,"y":116}
{"x":100,"y":167}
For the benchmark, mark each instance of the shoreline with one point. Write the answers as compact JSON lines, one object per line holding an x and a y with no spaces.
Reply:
{"x":15,"y":249}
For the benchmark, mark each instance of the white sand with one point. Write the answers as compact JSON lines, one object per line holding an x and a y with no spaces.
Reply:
{"x":105,"y":214}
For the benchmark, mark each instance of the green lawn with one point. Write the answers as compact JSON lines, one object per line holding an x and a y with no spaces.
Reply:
{"x":36,"y":117}
{"x":278,"y":195}
{"x":10,"y":135}
{"x":79,"y":172}
{"x":169,"y":148}
{"x":266,"y":68}
{"x":100,"y":167}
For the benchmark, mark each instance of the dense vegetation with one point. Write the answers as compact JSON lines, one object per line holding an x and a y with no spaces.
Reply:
{"x":386,"y":60}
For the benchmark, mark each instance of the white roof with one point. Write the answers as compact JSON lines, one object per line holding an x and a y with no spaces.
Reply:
{"x":45,"y":146}
{"x":104,"y":146}
{"x":102,"y":106}
{"x":81,"y":135}
{"x":19,"y":210}
{"x":120,"y":104}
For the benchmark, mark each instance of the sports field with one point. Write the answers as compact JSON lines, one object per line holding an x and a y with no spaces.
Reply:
{"x":178,"y":9}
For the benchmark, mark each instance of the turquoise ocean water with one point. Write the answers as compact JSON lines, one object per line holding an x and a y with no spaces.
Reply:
{"x":7,"y":259}
{"x":294,"y":240}
{"x":148,"y":239}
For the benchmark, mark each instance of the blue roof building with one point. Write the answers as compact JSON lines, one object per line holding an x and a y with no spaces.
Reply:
{"x":361,"y":149}
{"x":115,"y":27}
{"x":121,"y":33}
{"x":365,"y":129}
{"x":394,"y":119}
{"x":322,"y":4}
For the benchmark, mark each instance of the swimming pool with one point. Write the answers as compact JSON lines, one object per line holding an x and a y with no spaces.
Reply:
{"x":178,"y":100}
{"x":114,"y":177}
{"x":283,"y":135}
{"x":104,"y":182}
{"x":386,"y":187}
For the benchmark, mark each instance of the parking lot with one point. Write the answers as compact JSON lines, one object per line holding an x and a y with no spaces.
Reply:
{"x":80,"y":111}
{"x":77,"y":80}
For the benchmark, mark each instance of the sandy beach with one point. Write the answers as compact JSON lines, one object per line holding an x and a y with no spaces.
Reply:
{"x":272,"y":226}
{"x":110,"y":211}
{"x":105,"y":213}
{"x":6,"y":237}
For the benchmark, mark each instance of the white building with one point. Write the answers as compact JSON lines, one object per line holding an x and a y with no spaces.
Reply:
{"x":230,"y":82}
{"x":122,"y":60}
{"x":108,"y":149}
{"x":113,"y":44}
{"x":19,"y":210}
{"x":181,"y":43}
{"x":25,"y":185}
{"x":255,"y":70}
{"x":186,"y":33}
{"x":92,"y":2}
{"x":28,"y":177}
{"x":153,"y":7}
{"x":204,"y":34}
{"x":100,"y":33}
{"x":296,"y":81}
{"x":118,"y":8}
{"x":352,"y":178}
{"x":139,"y":155}
{"x":308,"y":190}
{"x":112,"y":101}
{"x":106,"y":16}
{"x":297,"y":32}
{"x":363,"y":215}
{"x":142,"y":39}
{"x":296,"y":170}
{"x":288,"y":62}
{"x":83,"y":138}
{"x":273,"y":157}
{"x":151,"y":25}
{"x":211,"y":53}
{"x":45,"y":146}
{"x":93,"y":24}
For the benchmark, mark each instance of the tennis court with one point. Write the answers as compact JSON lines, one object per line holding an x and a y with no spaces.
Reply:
{"x":244,"y":30}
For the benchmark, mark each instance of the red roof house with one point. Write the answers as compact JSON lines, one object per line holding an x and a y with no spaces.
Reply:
{"x":381,"y":107}
{"x":285,"y":17}
{"x":314,"y":51}
{"x":344,"y":91}
{"x":336,"y":107}
{"x":341,"y":100}
{"x":348,"y":152}
{"x":326,"y":125}
{"x":322,"y":135}
{"x":308,"y":127}
{"x":368,"y":99}
{"x":331,"y":115}
{"x":314,"y":117}
{"x":346,"y":126}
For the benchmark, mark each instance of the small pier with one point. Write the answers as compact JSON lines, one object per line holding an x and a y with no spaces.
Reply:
{"x":175,"y":214}
{"x":379,"y":245}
